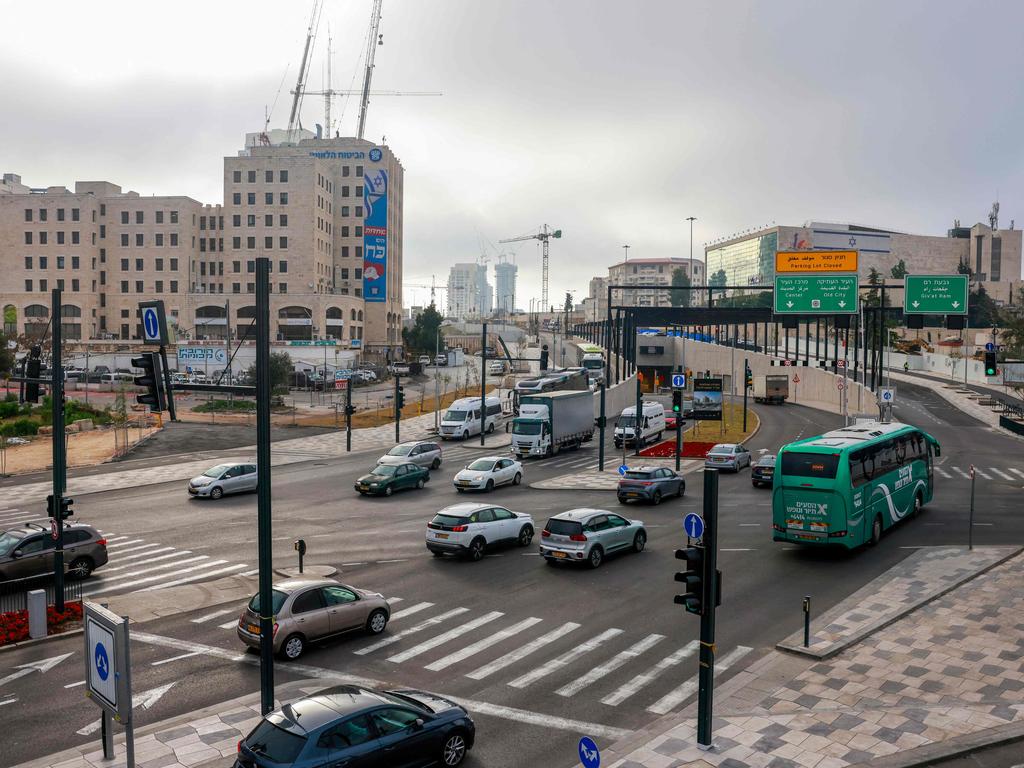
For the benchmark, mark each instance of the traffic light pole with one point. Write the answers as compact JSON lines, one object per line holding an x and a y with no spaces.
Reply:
{"x":60,"y":469}
{"x":167,"y":383}
{"x":601,"y":421}
{"x":638,"y":420}
{"x":483,"y":387}
{"x":398,"y":411}
{"x":746,"y":368}
{"x":348,"y":415}
{"x":264,"y":541}
{"x":706,"y":674}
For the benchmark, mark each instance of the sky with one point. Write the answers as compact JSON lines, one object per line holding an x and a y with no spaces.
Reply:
{"x":612,"y":121}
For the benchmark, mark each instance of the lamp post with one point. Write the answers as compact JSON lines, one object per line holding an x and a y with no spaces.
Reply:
{"x":626,"y":249}
{"x":692,"y":219}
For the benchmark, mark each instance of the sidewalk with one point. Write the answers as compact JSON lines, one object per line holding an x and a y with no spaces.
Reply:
{"x":945,"y":678}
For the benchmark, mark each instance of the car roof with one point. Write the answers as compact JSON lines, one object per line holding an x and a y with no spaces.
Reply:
{"x":492,"y":458}
{"x":294,"y":585}
{"x":331,"y":704}
{"x":29,"y":528}
{"x":579,"y":515}
{"x":465,"y":508}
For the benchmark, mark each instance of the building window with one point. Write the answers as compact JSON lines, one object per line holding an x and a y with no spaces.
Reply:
{"x":359,"y":251}
{"x":124,"y":265}
{"x":282,"y":176}
{"x":159,"y":286}
{"x":344,"y":273}
{"x":174,"y":286}
{"x":236,"y":177}
{"x":250,"y":266}
{"x":174,"y":265}
{"x":345,"y":231}
{"x":159,"y":217}
{"x":250,"y":220}
{"x":76,"y":214}
{"x":359,"y":170}
{"x":346,"y":170}
{"x":60,"y":238}
{"x":159,"y":238}
{"x":103,"y":209}
{"x":268,"y":176}
{"x":202,"y":223}
{"x":28,"y":214}
{"x":359,"y":273}
{"x":174,"y":240}
{"x":60,"y":262}
{"x":75,"y":238}
{"x":359,"y":190}
{"x":282,"y":266}
{"x":250,"y":243}
{"x":159,"y":265}
{"x":42,"y":262}
{"x":282,"y":220}
{"x":250,"y":198}
{"x":139,"y":265}
{"x":139,"y":217}
{"x":138,"y":286}
{"x":345,"y":189}
{"x":236,"y":287}
{"x":75,"y":262}
{"x":42,"y":214}
{"x":42,"y":285}
{"x":60,"y":283}
{"x":202,"y":269}
{"x":139,"y":239}
{"x":236,"y":198}
{"x":28,"y":238}
{"x":268,"y":243}
{"x":236,"y":266}
{"x":283,"y":198}
{"x":124,"y":286}
{"x":282,"y":287}
{"x":359,"y":231}
{"x":236,"y":243}
{"x":251,"y":177}
{"x":60,"y":214}
{"x":202,"y":245}
{"x":359,"y":211}
{"x":268,"y":198}
{"x":103,"y":231}
{"x":283,"y":243}
{"x":124,"y":239}
{"x":268,"y":220}
{"x":344,"y":251}
{"x":236,"y":220}
{"x":124,"y":217}
{"x":74,"y":284}
{"x":28,"y":286}
{"x":28,"y":262}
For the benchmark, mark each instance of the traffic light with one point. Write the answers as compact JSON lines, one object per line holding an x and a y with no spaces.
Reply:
{"x":400,"y":397}
{"x":544,"y":357}
{"x":65,"y":507}
{"x":150,"y":379}
{"x":32,"y":369}
{"x":693,"y":578}
{"x":350,"y":409}
{"x":748,"y":377}
{"x":677,"y":401}
{"x":990,"y":364}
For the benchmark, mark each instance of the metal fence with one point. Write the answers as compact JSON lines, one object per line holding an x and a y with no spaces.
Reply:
{"x":14,"y":593}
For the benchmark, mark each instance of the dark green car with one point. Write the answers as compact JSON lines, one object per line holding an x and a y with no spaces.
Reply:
{"x":384,"y":480}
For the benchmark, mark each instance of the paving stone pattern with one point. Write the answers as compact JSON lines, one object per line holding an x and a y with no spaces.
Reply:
{"x":953,"y":667}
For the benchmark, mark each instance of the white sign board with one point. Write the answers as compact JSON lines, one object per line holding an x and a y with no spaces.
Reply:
{"x":886,"y":396}
{"x":102,"y":660}
{"x":200,"y":355}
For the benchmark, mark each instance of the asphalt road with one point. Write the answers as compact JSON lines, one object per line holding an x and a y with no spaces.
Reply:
{"x":544,"y":654}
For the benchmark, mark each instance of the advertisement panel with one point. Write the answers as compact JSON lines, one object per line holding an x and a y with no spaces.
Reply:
{"x":1013,"y":374}
{"x":202,"y":354}
{"x":375,"y":235}
{"x":707,"y":399}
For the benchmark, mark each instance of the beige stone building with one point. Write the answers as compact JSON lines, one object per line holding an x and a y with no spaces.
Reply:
{"x":300,"y":205}
{"x":648,"y":272}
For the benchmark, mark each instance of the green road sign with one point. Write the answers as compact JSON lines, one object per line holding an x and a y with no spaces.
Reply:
{"x":935,"y":295}
{"x":815,"y":294}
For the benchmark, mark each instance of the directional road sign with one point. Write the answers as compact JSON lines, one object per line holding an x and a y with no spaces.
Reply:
{"x":623,"y":469}
{"x":935,"y":294}
{"x":107,"y":676}
{"x":590,"y":757}
{"x":840,"y":386}
{"x":678,"y":381}
{"x":154,"y":323}
{"x":816,"y":261}
{"x":815,"y":294}
{"x":693,"y":524}
{"x":887,"y":396}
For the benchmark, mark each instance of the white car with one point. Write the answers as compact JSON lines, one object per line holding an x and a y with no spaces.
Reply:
{"x":485,"y":473}
{"x":469,"y":529}
{"x":366,"y":375}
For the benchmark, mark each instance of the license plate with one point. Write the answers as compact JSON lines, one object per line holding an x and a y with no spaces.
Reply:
{"x":806,"y":537}
{"x":254,"y":629}
{"x":440,"y":535}
{"x":632,"y":494}
{"x":559,"y":554}
{"x":464,"y":482}
{"x":364,"y":487}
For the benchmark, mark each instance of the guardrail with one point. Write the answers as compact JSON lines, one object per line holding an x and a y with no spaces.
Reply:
{"x":14,"y":592}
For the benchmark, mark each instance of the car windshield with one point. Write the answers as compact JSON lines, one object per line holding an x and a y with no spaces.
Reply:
{"x":821,"y":465}
{"x":636,"y":474}
{"x":215,"y":471}
{"x":274,"y":743}
{"x":454,"y":415}
{"x":527,"y":427}
{"x":626,"y":421}
{"x":449,"y":520}
{"x":383,"y":470}
{"x":766,"y":461}
{"x":8,"y":541}
{"x":400,"y":450}
{"x":564,"y":527}
{"x":593,"y":365}
{"x":722,"y":449}
{"x":277,"y":599}
{"x":482,"y":465}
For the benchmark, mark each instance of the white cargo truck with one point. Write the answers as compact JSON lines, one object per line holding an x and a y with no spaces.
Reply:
{"x":551,"y":421}
{"x":652,"y":424}
{"x":772,"y":389}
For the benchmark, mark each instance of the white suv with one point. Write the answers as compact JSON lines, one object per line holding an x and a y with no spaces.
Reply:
{"x":469,"y":529}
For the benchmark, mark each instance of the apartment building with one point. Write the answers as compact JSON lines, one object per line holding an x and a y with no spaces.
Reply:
{"x":650,"y":272}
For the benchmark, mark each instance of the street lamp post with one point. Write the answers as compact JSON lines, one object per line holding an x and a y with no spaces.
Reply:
{"x":692,"y":219}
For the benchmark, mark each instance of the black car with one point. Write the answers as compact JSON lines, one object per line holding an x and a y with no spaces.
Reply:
{"x":763,"y":471}
{"x":354,"y":727}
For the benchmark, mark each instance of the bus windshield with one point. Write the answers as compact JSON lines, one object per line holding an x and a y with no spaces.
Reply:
{"x":820,"y":465}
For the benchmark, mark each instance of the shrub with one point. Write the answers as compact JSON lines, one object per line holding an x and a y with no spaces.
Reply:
{"x":20,"y":428}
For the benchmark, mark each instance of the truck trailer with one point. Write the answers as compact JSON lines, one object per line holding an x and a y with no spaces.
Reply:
{"x":551,"y":421}
{"x":772,"y":389}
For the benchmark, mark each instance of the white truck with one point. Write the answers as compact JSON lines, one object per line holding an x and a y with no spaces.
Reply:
{"x":772,"y":389}
{"x":651,"y":426}
{"x":551,"y":421}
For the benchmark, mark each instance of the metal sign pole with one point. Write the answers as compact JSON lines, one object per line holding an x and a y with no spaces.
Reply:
{"x":129,"y":725}
{"x":706,"y":673}
{"x":263,"y":511}
{"x":60,"y":470}
{"x":601,"y":421}
{"x":483,"y":386}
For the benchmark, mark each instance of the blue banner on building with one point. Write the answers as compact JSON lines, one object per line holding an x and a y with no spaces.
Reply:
{"x":375,"y":236}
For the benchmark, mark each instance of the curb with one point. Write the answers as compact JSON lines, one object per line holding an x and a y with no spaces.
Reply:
{"x":958,"y":746}
{"x":39,"y":640}
{"x":789,"y":647}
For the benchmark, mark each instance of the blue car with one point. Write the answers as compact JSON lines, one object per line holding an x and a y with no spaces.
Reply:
{"x":351,"y":726}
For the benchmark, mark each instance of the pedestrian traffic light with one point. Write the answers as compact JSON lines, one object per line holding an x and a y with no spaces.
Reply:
{"x":990,"y":364}
{"x":693,"y":578}
{"x":544,"y":357}
{"x":350,"y":409}
{"x":32,"y":370}
{"x":748,"y":377}
{"x":677,"y":401}
{"x":400,"y":397}
{"x":64,"y":507}
{"x":149,"y":362}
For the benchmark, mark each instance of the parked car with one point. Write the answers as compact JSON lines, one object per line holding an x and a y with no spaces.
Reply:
{"x":440,"y":359}
{"x":353,"y":726}
{"x":588,"y":535}
{"x":485,"y":473}
{"x":728,"y":456}
{"x":470,"y":529}
{"x":28,"y":550}
{"x":366,"y":374}
{"x":306,"y":610}
{"x":224,"y":479}
{"x":421,"y":452}
{"x":763,"y":470}
{"x":496,"y":367}
{"x":424,"y":360}
{"x":649,"y":484}
{"x":385,"y":479}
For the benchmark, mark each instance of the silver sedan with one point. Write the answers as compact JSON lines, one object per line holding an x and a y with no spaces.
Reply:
{"x":732,"y":456}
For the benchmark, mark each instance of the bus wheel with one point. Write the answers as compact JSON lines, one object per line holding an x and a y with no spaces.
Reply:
{"x":918,"y":504}
{"x":876,"y":531}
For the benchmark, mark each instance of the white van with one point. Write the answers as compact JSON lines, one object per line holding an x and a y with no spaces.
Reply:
{"x":652,"y":426}
{"x":462,"y":419}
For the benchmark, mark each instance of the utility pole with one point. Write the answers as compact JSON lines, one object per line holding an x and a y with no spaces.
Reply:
{"x":263,"y":509}
{"x":712,"y":589}
{"x":601,"y":422}
{"x":60,"y":468}
{"x":349,"y":409}
{"x":483,"y":386}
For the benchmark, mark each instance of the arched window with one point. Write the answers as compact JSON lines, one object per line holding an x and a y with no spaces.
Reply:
{"x":37,"y":310}
{"x":70,"y":310}
{"x":10,"y":320}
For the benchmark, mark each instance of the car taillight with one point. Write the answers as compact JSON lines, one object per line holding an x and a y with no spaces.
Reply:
{"x":460,"y":528}
{"x":239,"y":749}
{"x":274,"y":633}
{"x":778,"y":527}
{"x":577,"y":537}
{"x":545,"y":533}
{"x":435,"y":526}
{"x":646,"y":482}
{"x":102,"y":542}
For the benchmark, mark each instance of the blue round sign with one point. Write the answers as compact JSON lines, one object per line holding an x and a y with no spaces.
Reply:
{"x":149,"y":320}
{"x":102,"y":662}
{"x":623,"y":469}
{"x":990,"y":347}
{"x":693,"y":524}
{"x":590,"y":757}
{"x":376,"y":154}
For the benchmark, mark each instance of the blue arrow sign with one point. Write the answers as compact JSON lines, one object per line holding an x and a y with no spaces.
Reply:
{"x":151,"y":324}
{"x":102,"y":662}
{"x":693,"y":524}
{"x":990,"y":347}
{"x":623,"y":469}
{"x":678,"y":381}
{"x":590,"y":757}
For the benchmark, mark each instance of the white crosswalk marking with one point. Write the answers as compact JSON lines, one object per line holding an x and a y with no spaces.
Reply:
{"x":228,"y":624}
{"x":487,"y":642}
{"x":139,"y":548}
{"x":982,"y":473}
{"x":961,"y":473}
{"x":410,"y":631}
{"x":197,"y":577}
{"x":106,"y":584}
{"x":674,"y":698}
{"x":522,"y":652}
{"x":411,"y":610}
{"x":1016,"y":471}
{"x":943,"y":472}
{"x":444,"y":637}
{"x":616,"y":661}
{"x":1001,"y":473}
{"x":571,"y":655}
{"x":117,"y":544}
{"x":630,"y":688}
{"x":214,"y":615}
{"x":149,"y":559}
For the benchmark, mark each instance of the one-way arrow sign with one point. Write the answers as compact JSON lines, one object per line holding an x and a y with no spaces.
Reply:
{"x":44,"y":665}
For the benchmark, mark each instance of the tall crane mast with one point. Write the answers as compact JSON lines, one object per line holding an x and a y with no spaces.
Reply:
{"x":374,"y":39}
{"x":544,"y":236}
{"x":300,"y":85}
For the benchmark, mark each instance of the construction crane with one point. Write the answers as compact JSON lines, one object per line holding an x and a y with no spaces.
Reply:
{"x":300,"y":85}
{"x":373,"y":40}
{"x":544,"y":236}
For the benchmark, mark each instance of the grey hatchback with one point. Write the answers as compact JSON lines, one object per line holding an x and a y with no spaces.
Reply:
{"x":649,"y":484}
{"x":423,"y":453}
{"x":28,"y":550}
{"x":587,"y":535}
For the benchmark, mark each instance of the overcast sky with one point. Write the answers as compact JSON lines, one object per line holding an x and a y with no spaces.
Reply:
{"x":613,"y":121}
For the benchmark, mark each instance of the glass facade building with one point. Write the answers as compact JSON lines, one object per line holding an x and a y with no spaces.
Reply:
{"x":745,"y":262}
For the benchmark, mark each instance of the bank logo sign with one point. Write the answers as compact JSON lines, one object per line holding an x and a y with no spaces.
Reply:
{"x":376,"y":154}
{"x":375,"y":236}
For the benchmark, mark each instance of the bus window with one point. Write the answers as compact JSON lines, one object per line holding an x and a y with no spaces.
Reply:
{"x":818,"y":465}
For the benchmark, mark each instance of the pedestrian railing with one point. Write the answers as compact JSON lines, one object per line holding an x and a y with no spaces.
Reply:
{"x":14,"y":592}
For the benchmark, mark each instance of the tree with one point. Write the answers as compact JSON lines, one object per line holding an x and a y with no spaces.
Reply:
{"x":900,"y":270}
{"x":680,"y":280}
{"x":718,"y":279}
{"x":6,"y":356}
{"x":422,"y":338}
{"x":568,"y":302}
{"x":964,"y":268}
{"x":281,"y":369}
{"x":874,"y":280}
{"x":982,"y":310}
{"x":1013,"y":333}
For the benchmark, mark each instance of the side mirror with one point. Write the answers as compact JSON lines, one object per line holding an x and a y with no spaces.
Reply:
{"x":16,"y":554}
{"x":417,"y":723}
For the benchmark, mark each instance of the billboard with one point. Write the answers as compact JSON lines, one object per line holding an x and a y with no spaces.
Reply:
{"x":707,"y":399}
{"x":1013,"y":374}
{"x":375,"y":236}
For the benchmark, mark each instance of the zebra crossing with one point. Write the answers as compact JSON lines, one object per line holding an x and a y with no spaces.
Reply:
{"x":1005,"y":474}
{"x":611,"y":665}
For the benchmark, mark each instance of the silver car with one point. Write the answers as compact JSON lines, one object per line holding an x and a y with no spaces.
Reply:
{"x":727,"y":456}
{"x":420,"y":452}
{"x":224,"y":479}
{"x":588,"y":535}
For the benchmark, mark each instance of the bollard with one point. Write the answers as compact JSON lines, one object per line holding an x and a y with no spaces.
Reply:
{"x":36,"y":603}
{"x":807,"y":621}
{"x":300,"y":547}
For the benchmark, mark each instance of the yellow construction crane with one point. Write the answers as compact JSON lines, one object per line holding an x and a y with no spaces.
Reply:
{"x":544,"y":236}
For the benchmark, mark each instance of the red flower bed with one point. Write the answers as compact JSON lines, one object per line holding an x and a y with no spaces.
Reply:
{"x":14,"y":625}
{"x":667,"y":448}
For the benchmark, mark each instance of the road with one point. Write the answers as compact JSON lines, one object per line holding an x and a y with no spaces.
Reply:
{"x":543,"y":653}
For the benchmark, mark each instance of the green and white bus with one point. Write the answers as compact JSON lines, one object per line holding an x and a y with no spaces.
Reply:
{"x":849,"y":485}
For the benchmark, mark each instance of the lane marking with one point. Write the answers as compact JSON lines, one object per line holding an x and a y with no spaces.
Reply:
{"x":748,"y":525}
{"x":943,"y":472}
{"x":735,"y":549}
{"x":982,"y":473}
{"x":410,"y":631}
{"x":564,"y":660}
{"x":674,"y":698}
{"x":9,"y":701}
{"x":444,"y":637}
{"x":188,"y":655}
{"x":522,"y":652}
{"x":253,"y":572}
{"x":214,"y":615}
{"x":228,"y":624}
{"x":960,"y":472}
{"x":616,"y":661}
{"x":487,"y":642}
{"x":628,"y":689}
{"x":75,"y":685}
{"x":1017,"y":471}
